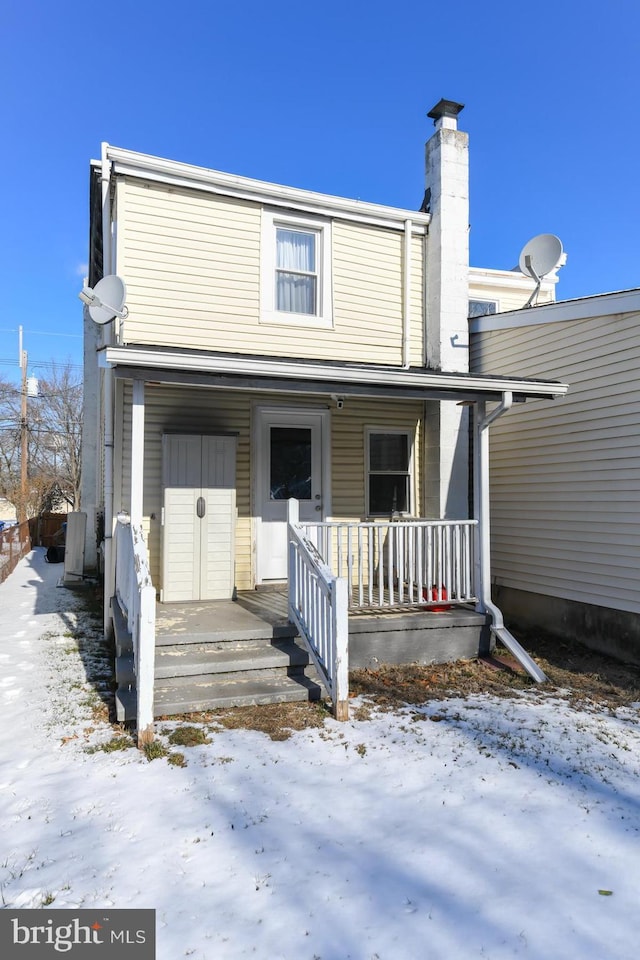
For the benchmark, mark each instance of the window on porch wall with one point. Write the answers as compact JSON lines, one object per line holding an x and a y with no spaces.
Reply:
{"x":388,"y":473}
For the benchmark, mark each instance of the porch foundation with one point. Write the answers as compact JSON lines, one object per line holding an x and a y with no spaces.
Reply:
{"x":416,"y":637}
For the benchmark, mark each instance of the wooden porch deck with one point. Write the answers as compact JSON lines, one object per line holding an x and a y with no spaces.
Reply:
{"x":254,"y":615}
{"x":230,"y":653}
{"x":387,"y":636}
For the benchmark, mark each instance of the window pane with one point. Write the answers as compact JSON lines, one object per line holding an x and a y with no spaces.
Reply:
{"x":482,"y":308}
{"x":388,"y":451}
{"x":295,"y":294}
{"x":290,"y":454}
{"x":295,"y":250}
{"x":388,"y":493}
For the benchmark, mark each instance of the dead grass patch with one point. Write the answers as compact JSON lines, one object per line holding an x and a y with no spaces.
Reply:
{"x":188,"y":736}
{"x":278,"y":720}
{"x":583,"y":676}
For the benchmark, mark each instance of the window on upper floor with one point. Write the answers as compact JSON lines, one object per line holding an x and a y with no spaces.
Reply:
{"x":482,"y":308}
{"x":388,"y":472}
{"x":295,"y":270}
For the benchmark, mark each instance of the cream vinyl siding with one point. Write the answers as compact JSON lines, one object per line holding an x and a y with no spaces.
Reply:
{"x":511,"y":293}
{"x":417,"y":301}
{"x":191,"y":262}
{"x":566,"y":475}
{"x":348,"y":427}
{"x":201,"y":411}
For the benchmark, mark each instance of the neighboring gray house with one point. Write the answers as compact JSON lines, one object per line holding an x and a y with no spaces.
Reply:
{"x":565,"y":483}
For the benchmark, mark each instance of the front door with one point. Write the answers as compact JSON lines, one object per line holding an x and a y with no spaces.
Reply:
{"x":290,"y":462}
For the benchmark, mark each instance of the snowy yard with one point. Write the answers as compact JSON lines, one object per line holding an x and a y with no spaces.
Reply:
{"x":476,"y":827}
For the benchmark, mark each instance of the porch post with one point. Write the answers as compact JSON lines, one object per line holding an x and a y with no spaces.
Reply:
{"x":340,"y":630}
{"x":482,"y":543}
{"x":293,"y":516}
{"x":137,"y":452}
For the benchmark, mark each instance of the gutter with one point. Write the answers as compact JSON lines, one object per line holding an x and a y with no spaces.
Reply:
{"x":107,"y":261}
{"x":483,"y":549}
{"x":201,"y":362}
{"x":406,"y":294}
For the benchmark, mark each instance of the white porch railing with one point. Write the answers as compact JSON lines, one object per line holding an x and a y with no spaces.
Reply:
{"x":400,"y":563}
{"x":137,"y":598}
{"x":318,"y":607}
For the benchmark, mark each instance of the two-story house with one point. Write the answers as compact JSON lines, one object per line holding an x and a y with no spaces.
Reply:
{"x":285,"y":350}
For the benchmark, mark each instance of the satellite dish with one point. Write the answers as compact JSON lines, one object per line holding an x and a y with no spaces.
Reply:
{"x":106,"y":299}
{"x":540,"y":256}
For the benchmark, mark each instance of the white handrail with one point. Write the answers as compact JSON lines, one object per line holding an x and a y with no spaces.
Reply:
{"x":137,"y":598}
{"x":318,"y":607}
{"x":400,"y":563}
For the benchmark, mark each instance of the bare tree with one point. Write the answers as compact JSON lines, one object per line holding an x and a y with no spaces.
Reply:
{"x":10,"y":441}
{"x":54,"y":438}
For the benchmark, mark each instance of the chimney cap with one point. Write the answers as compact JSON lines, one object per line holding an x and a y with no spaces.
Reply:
{"x":445,"y":108}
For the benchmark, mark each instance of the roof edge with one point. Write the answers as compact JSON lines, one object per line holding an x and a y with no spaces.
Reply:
{"x":171,"y":171}
{"x":582,"y":308}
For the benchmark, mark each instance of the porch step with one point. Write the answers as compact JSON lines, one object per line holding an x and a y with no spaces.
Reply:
{"x":233,"y":690}
{"x":184,"y":660}
{"x":125,"y":696}
{"x":203,"y":676}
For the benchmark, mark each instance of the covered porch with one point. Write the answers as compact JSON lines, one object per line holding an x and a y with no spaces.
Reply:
{"x":359,"y":590}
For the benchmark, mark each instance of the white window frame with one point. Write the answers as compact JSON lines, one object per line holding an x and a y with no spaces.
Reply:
{"x":271,"y":221}
{"x":410,"y":435}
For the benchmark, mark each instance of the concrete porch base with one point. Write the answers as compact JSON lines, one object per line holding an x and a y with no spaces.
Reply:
{"x":417,"y":637}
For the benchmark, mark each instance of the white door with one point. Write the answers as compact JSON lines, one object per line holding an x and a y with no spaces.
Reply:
{"x":291,"y":461}
{"x":199,"y":514}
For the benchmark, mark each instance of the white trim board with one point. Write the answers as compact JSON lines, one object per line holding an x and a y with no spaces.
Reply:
{"x":600,"y":305}
{"x":130,"y":163}
{"x":150,"y":358}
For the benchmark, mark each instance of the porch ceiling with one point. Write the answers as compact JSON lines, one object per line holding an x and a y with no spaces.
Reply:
{"x":326,"y":378}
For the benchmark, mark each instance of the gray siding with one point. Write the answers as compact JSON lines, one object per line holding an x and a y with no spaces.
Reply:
{"x":565,"y":476}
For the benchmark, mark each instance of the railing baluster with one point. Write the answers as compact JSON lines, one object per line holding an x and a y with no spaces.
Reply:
{"x":399,"y":563}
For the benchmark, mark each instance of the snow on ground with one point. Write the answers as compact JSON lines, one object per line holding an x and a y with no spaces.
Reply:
{"x":466,"y":828}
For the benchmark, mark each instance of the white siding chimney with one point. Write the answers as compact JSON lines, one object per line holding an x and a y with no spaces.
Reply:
{"x":447,"y":200}
{"x":447,"y":292}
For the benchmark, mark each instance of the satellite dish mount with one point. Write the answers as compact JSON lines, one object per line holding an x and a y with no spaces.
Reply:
{"x":106,"y":300}
{"x":540,"y":256}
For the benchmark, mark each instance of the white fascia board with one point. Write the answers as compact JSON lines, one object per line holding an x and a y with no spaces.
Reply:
{"x":390,"y":376}
{"x":508,"y":279}
{"x":130,"y":163}
{"x":600,"y":305}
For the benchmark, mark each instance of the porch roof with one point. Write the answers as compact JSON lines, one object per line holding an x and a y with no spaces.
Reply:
{"x":263,"y":373}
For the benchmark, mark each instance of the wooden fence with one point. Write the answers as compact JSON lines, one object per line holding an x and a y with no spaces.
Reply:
{"x":15,"y":543}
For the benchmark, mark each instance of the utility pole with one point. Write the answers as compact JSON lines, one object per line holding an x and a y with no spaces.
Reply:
{"x":24,"y":445}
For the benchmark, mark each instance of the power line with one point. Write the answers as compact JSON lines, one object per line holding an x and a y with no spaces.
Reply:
{"x":45,"y":333}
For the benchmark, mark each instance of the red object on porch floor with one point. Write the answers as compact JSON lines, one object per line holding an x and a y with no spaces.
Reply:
{"x":437,"y":595}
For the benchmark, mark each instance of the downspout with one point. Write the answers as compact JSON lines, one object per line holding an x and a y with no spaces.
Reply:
{"x":107,"y":340}
{"x":483,"y":550}
{"x":406,"y":294}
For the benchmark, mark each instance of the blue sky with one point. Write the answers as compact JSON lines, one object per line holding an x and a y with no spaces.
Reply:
{"x":330,"y":97}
